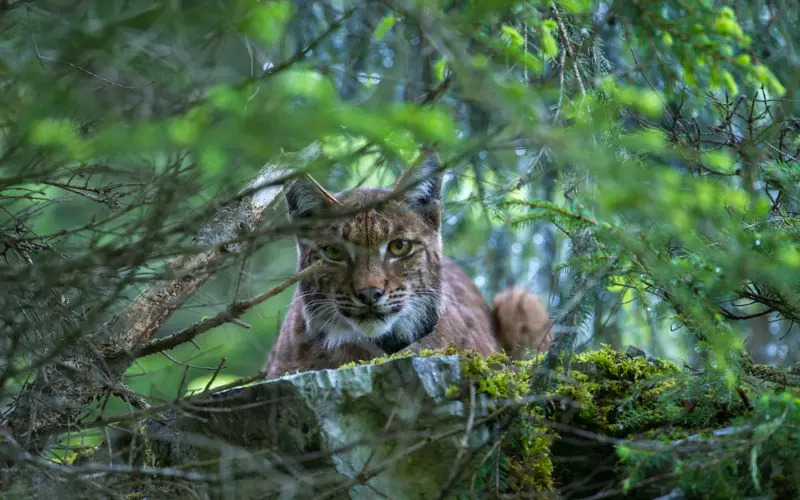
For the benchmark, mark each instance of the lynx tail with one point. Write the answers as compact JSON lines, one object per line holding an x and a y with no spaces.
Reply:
{"x":522,"y":323}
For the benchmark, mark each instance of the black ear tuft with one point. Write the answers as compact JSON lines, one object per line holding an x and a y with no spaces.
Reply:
{"x":423,"y":187}
{"x":429,"y":178}
{"x":304,"y":198}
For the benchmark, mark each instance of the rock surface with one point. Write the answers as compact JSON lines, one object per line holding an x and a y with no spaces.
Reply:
{"x":299,"y":436}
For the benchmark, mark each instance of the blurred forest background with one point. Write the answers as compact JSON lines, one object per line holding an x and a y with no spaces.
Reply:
{"x":634,"y":163}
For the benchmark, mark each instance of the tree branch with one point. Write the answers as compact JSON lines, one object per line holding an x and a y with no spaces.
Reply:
{"x":233,"y":311}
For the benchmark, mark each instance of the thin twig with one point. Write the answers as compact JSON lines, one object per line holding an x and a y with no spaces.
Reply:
{"x":298,"y":56}
{"x":324,"y":191}
{"x":568,"y":45}
{"x":216,"y":372}
{"x":462,"y":455}
{"x":188,"y":365}
{"x":75,"y":66}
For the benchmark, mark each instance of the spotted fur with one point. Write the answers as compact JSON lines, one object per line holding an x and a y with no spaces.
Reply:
{"x":425,"y":300}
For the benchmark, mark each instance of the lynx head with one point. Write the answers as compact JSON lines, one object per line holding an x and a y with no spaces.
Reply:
{"x":381,"y":277}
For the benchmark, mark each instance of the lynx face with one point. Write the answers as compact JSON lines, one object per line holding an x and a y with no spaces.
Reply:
{"x":381,"y":277}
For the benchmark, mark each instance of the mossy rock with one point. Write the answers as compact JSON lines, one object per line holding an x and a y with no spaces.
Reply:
{"x":616,"y":423}
{"x":612,"y":403}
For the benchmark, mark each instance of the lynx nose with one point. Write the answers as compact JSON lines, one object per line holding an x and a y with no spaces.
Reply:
{"x":370,"y":295}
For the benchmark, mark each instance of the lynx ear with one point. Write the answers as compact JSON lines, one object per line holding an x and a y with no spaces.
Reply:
{"x":423,"y":187}
{"x":304,"y":198}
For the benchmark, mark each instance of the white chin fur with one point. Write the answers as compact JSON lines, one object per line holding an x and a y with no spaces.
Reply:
{"x":374,"y":328}
{"x":347,"y":331}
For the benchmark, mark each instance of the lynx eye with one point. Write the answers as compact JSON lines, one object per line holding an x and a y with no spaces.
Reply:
{"x":399,"y":248}
{"x":334,"y":253}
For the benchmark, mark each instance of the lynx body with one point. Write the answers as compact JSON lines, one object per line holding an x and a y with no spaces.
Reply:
{"x":385,"y":286}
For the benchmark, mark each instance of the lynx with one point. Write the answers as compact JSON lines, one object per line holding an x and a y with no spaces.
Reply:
{"x":385,"y":286}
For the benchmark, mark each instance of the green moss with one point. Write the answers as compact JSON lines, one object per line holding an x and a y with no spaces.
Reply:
{"x":525,"y":451}
{"x":151,"y":458}
{"x":619,"y":366}
{"x":774,"y":375}
{"x":498,"y":376}
{"x":73,"y":456}
{"x":616,"y":393}
{"x":452,"y":392}
{"x":531,"y":465}
{"x":424,"y":353}
{"x":582,"y":396}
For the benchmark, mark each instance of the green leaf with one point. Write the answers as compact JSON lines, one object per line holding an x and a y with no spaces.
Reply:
{"x":225,"y":97}
{"x":777,"y":87}
{"x":765,"y":76}
{"x":50,"y":131}
{"x":651,"y":104}
{"x":626,"y":484}
{"x":646,"y":101}
{"x":742,"y":60}
{"x":374,"y":126}
{"x":576,"y":6}
{"x":63,"y":133}
{"x":439,"y":68}
{"x":479,"y":61}
{"x":267,"y":20}
{"x":213,"y":160}
{"x":790,"y":257}
{"x":183,"y":131}
{"x":433,"y":123}
{"x":762,"y":73}
{"x":549,"y":45}
{"x":726,"y":25}
{"x":689,"y":76}
{"x":729,"y":82}
{"x":513,"y":36}
{"x":651,"y":139}
{"x":531,"y":62}
{"x":718,"y":161}
{"x":304,"y":82}
{"x":384,"y":26}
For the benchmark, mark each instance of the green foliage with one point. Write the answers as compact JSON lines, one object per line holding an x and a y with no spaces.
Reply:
{"x":756,"y":455}
{"x":643,"y":155}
